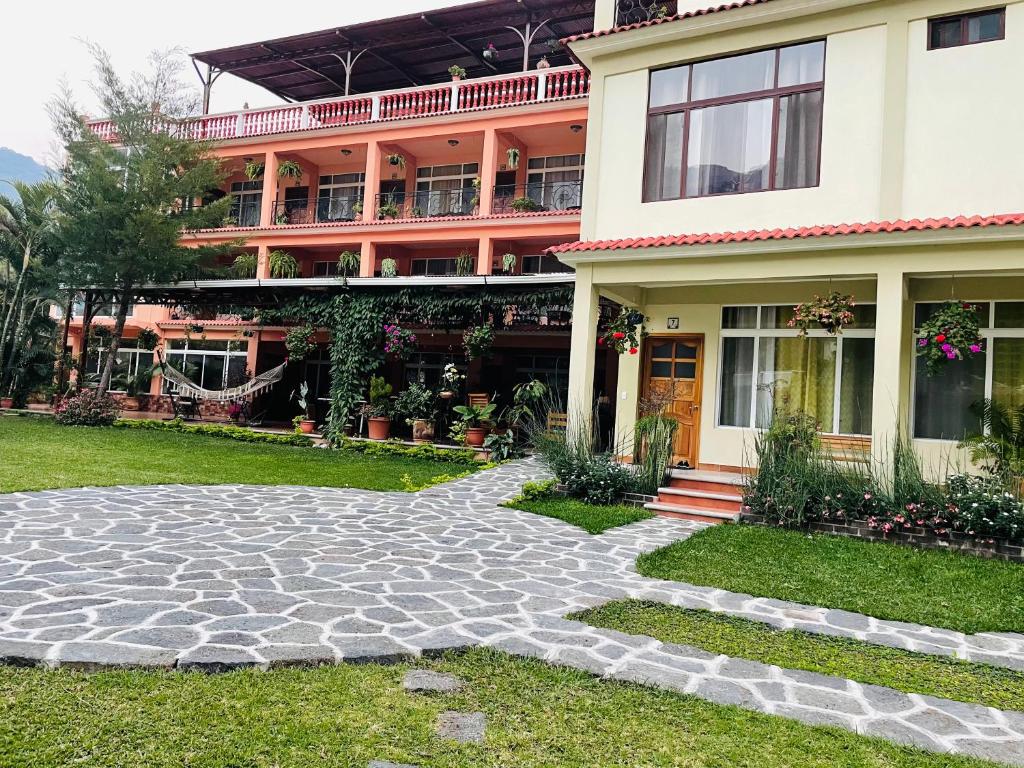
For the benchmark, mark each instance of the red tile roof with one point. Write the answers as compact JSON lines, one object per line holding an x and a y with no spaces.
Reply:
{"x":665,"y":20}
{"x":874,"y":227}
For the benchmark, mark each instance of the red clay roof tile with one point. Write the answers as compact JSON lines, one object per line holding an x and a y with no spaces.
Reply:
{"x":665,"y":20}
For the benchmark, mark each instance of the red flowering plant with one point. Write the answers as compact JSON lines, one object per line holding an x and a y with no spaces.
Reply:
{"x":951,"y":333}
{"x":399,"y":342}
{"x":832,"y":313}
{"x":623,"y":334}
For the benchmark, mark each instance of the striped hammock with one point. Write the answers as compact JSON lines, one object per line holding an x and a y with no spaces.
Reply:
{"x":188,"y":388}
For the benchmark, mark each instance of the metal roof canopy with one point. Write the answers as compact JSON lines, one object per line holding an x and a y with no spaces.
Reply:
{"x":404,"y":51}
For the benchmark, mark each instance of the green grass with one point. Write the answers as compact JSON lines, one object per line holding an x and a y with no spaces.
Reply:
{"x":344,"y":717}
{"x":591,"y":518}
{"x":37,"y":454}
{"x":839,"y":657}
{"x":940,"y":589}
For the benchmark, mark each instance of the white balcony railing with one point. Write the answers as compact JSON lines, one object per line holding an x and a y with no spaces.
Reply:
{"x":534,"y":87}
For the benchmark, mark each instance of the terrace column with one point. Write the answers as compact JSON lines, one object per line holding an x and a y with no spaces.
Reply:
{"x":263,"y":262}
{"x":485,"y":256}
{"x":891,"y":390}
{"x":488,"y":171}
{"x":367,"y":259}
{"x":269,"y":199}
{"x":585,"y":315}
{"x":371,"y":186}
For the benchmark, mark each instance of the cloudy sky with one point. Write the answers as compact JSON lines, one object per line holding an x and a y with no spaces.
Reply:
{"x":42,"y":44}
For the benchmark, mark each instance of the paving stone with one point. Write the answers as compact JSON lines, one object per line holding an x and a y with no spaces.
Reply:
{"x":217,"y":659}
{"x":92,"y":656}
{"x":371,"y":650}
{"x":727,"y":692}
{"x":427,"y":681}
{"x":463,"y":728}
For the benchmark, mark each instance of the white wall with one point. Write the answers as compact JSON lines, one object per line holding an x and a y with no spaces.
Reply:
{"x":965,"y":125}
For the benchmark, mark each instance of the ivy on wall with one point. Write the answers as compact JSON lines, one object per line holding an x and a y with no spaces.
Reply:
{"x":355,"y":321}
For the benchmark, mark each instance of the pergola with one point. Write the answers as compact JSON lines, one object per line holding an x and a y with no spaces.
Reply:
{"x":404,"y":51}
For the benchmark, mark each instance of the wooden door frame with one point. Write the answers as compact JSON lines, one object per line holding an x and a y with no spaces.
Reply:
{"x":645,"y":372}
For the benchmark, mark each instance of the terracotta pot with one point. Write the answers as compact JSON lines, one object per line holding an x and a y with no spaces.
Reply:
{"x":307,"y":426}
{"x":475,"y":436}
{"x":422,"y":430}
{"x":129,"y":403}
{"x":446,"y":394}
{"x":380,"y":428}
{"x":6,"y":402}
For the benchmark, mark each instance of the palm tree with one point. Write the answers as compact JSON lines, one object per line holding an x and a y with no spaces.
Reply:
{"x":1000,"y":445}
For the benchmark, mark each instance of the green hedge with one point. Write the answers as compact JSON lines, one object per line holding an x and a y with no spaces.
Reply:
{"x":426,"y":451}
{"x":216,"y":430}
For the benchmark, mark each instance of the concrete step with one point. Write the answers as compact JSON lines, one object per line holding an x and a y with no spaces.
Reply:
{"x":710,"y":482}
{"x":712,"y":516}
{"x":724,"y":502}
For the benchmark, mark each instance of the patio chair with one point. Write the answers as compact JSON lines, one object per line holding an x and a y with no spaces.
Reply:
{"x":558,"y":422}
{"x":478,"y":399}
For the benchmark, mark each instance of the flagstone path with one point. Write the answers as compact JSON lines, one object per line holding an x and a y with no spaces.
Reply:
{"x":215,"y":578}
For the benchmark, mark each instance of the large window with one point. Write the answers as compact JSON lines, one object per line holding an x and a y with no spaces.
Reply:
{"x":446,"y":190}
{"x":942,"y":401}
{"x":556,"y":183}
{"x":767,"y":367}
{"x":967,"y":29}
{"x":210,"y":364}
{"x":246,"y":200}
{"x":747,"y":123}
{"x":337,"y":195}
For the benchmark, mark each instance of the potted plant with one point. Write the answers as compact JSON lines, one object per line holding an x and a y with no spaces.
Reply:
{"x":378,"y":409}
{"x":478,"y":340}
{"x":951,"y":333}
{"x":235,"y":412}
{"x":388,"y":211}
{"x":283,"y":265}
{"x":508,"y":263}
{"x":451,"y":379}
{"x":524,"y":205}
{"x":6,"y":402}
{"x":253,"y":170}
{"x":491,"y":53}
{"x":513,"y":158}
{"x":477,"y":421}
{"x":399,"y":342}
{"x":388,"y":268}
{"x":832,"y":313}
{"x":304,"y":422}
{"x":624,"y":332}
{"x":357,"y":208}
{"x":135,"y":386}
{"x":456,"y":72}
{"x":289,"y":169}
{"x":146,"y":339}
{"x":544,"y":63}
{"x":348,"y":263}
{"x":244,"y":265}
{"x":398,"y":160}
{"x":299,"y":342}
{"x":464,"y":264}
{"x":419,"y":405}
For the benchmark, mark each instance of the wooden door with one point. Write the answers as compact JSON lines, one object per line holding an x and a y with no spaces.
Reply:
{"x":674,"y":368}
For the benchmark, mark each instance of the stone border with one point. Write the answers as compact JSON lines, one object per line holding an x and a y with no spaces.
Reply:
{"x":920,"y":538}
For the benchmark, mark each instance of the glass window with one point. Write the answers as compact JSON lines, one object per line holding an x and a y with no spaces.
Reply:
{"x":1009,"y":314}
{"x":729,"y":148}
{"x":665,"y":156}
{"x":985,"y":26}
{"x":1008,"y":372}
{"x":669,"y":86}
{"x":942,"y":401}
{"x":737,"y":381}
{"x":802,"y":64}
{"x":796,"y":163}
{"x":857,"y":386}
{"x":796,"y":375}
{"x":739,"y":317}
{"x":737,"y":74}
{"x":967,"y":29}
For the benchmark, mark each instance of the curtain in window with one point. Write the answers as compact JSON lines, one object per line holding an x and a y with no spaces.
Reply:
{"x":664,"y":163}
{"x":856,"y":386}
{"x":799,"y":132}
{"x":729,"y":149}
{"x":1008,"y":372}
{"x":797,"y":376}
{"x":737,"y":381}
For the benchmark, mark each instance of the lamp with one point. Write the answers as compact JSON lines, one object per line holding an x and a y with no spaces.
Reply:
{"x":453,"y":142}
{"x":346,"y":152}
{"x":575,"y":127}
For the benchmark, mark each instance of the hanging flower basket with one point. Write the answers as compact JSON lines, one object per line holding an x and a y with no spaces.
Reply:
{"x":952,"y":333}
{"x":478,"y":340}
{"x":399,"y":343}
{"x":623,"y":334}
{"x":299,"y":342}
{"x":831,"y":313}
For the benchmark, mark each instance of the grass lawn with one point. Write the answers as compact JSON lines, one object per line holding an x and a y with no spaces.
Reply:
{"x":591,"y":518}
{"x":36,"y":454}
{"x":344,"y":717}
{"x":941,"y":589}
{"x":866,"y":663}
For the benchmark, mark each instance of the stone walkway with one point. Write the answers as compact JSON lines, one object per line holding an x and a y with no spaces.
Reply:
{"x":213,"y":578}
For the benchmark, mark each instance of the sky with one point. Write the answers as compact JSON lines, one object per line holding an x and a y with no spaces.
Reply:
{"x":43,"y":44}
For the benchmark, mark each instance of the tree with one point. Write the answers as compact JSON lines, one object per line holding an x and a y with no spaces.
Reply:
{"x":124,"y":206}
{"x":27,"y":225}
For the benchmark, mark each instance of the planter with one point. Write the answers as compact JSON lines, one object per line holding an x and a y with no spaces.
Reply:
{"x":379,"y":428}
{"x":6,"y":402}
{"x":307,"y":426}
{"x":475,"y":436}
{"x":446,"y":394}
{"x":422,"y":430}
{"x":129,"y":403}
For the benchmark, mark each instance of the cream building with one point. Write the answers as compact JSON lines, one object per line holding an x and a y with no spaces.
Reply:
{"x":743,"y":159}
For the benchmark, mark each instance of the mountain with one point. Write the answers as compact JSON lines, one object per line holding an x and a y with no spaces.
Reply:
{"x":18,"y":167}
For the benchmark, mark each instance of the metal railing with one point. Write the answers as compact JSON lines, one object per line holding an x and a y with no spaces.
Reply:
{"x":536,"y":86}
{"x":636,"y":11}
{"x":549,"y":196}
{"x":424,"y":205}
{"x":319,"y":210}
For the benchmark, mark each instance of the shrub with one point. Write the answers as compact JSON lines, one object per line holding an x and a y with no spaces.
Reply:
{"x":538,"y":491}
{"x":502,"y":446}
{"x":789,"y":470}
{"x":87,"y":409}
{"x":654,"y":440}
{"x":426,"y":451}
{"x":226,"y":431}
{"x":598,"y":479}
{"x":981,"y":507}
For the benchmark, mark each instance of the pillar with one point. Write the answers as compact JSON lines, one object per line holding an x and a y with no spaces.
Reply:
{"x":268,"y":203}
{"x":585,"y":315}
{"x":485,"y":256}
{"x":371,"y":186}
{"x":488,"y":171}
{"x":604,"y":14}
{"x":252,"y":352}
{"x":891,"y":391}
{"x":367,"y":259}
{"x":263,"y":262}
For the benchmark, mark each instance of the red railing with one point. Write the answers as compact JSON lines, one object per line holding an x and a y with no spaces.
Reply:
{"x":568,"y":83}
{"x":430,"y":101}
{"x":342,"y":112}
{"x":499,"y":93}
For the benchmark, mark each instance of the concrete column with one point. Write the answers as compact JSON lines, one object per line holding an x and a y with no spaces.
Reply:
{"x":372,"y":183}
{"x":585,"y":314}
{"x":367,"y":258}
{"x":627,"y":401}
{"x":485,"y":256}
{"x":263,"y":262}
{"x":894,"y":135}
{"x":269,"y":200}
{"x":252,"y":352}
{"x":891,"y":393}
{"x":604,"y":14}
{"x":488,"y":171}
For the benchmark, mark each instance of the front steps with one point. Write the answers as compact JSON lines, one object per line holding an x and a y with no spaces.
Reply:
{"x":705,"y":497}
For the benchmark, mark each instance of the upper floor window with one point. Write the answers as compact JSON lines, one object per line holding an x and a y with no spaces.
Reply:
{"x":746,"y":123}
{"x":967,"y":29}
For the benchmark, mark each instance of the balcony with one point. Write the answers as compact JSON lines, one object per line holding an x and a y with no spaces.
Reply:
{"x":527,"y":88}
{"x":323,"y":210}
{"x":548,"y":196}
{"x":425,"y":205}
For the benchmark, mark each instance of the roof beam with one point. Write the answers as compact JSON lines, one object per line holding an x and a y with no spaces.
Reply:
{"x":379,"y":57}
{"x":458,"y":43}
{"x":298,"y":63}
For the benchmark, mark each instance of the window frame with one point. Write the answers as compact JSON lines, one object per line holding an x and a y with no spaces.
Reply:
{"x":758,"y":333}
{"x":232,"y":351}
{"x":776,"y":94}
{"x":965,"y":19}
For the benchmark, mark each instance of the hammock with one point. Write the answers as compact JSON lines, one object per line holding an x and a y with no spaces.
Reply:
{"x":188,"y":388}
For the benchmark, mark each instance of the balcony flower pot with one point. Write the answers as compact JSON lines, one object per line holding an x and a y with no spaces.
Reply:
{"x":307,"y":426}
{"x":380,"y":427}
{"x":422,"y":430}
{"x":6,"y":402}
{"x":475,"y":436}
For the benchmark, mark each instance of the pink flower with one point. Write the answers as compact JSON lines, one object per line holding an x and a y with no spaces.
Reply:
{"x":946,"y":348}
{"x":922,"y":342}
{"x":975,"y":348}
